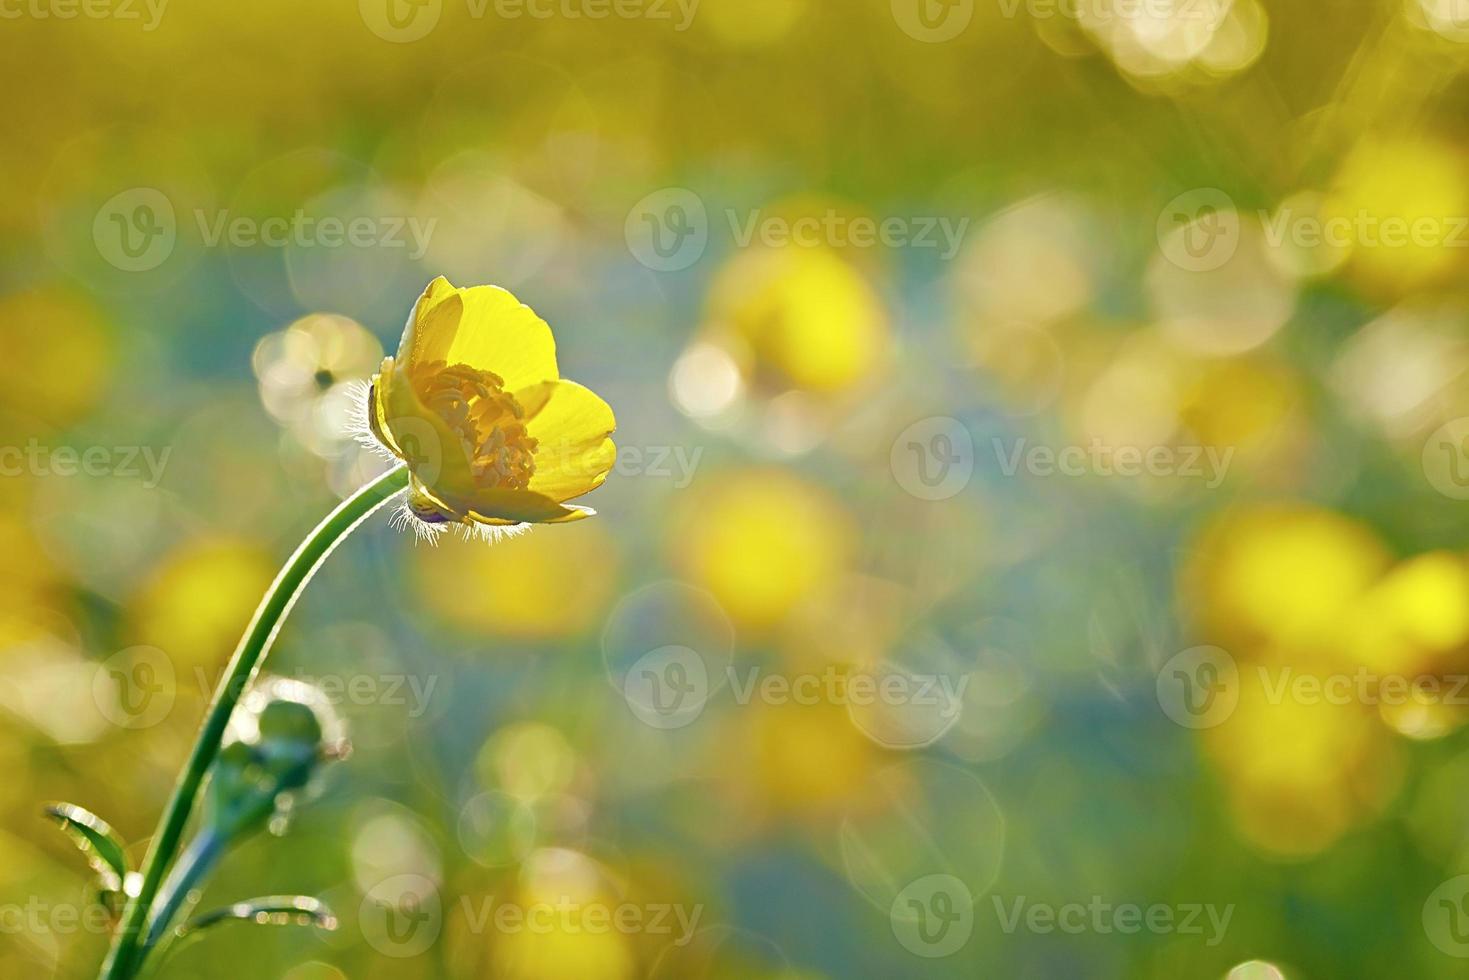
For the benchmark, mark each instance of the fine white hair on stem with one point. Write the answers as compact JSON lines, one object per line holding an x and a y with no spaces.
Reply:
{"x":359,"y":420}
{"x":403,"y":519}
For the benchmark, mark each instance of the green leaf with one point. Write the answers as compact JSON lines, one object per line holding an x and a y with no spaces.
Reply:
{"x":274,"y":910}
{"x":94,"y":838}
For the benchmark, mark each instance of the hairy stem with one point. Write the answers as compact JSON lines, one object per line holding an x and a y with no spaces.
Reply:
{"x":125,"y":956}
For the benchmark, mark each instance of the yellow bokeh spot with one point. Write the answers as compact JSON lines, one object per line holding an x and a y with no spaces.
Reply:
{"x":808,"y":759}
{"x":750,"y":23}
{"x":1285,"y":574}
{"x":763,"y":542}
{"x":58,"y":355}
{"x":811,"y":318}
{"x":562,"y":923}
{"x":530,"y":761}
{"x":1397,"y":200}
{"x":198,"y":600}
{"x":1300,"y":771}
{"x":548,"y":583}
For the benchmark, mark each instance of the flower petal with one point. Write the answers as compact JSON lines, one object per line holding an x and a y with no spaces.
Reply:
{"x":574,"y":452}
{"x":504,"y":506}
{"x":484,"y":327}
{"x":426,"y":338}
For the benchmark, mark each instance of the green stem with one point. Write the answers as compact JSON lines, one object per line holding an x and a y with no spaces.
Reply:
{"x":125,"y":957}
{"x":197,"y":861}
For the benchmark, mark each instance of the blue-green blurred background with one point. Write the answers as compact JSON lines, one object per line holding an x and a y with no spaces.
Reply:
{"x":1044,"y":438}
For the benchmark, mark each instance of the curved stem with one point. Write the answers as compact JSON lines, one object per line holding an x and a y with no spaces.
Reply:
{"x":197,"y":861}
{"x":125,"y":957}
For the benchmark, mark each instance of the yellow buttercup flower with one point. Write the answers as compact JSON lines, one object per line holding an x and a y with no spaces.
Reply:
{"x":492,"y":435}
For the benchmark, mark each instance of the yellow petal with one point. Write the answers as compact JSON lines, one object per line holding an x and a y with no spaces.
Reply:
{"x":415,"y":339}
{"x":574,"y":452}
{"x":504,"y":506}
{"x":485,"y":327}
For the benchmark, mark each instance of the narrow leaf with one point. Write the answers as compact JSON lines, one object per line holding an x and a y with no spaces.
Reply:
{"x":274,"y":910}
{"x":94,"y":838}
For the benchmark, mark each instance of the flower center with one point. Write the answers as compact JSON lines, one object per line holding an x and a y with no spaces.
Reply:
{"x":486,"y":417}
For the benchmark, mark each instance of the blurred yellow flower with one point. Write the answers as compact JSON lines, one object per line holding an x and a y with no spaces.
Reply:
{"x":474,"y":404}
{"x":195,"y":603}
{"x":809,"y":317}
{"x":1282,"y":574}
{"x":763,"y":542}
{"x":1398,"y":200}
{"x":1300,"y":773}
